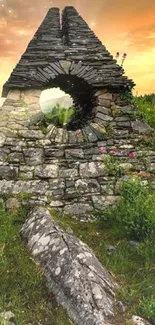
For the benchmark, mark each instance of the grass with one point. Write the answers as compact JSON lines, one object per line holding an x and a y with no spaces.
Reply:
{"x":133,"y":267}
{"x":146,"y":107}
{"x":22,"y":284}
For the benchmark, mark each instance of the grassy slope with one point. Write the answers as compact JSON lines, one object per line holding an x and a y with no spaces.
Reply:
{"x":22,"y":284}
{"x":134,"y":268}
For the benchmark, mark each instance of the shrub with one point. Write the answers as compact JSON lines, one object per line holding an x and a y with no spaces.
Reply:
{"x":146,"y":106}
{"x":135,"y":211}
{"x":59,"y":116}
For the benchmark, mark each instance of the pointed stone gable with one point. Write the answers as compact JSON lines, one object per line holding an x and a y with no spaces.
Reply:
{"x":65,"y":46}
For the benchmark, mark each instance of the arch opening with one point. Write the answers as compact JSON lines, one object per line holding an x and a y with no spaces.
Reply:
{"x":81,"y":96}
{"x":57,"y":106}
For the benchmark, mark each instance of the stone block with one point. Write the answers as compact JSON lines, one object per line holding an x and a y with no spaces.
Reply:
{"x":122,"y":119}
{"x":31,"y":134}
{"x":141,"y":127}
{"x":14,"y":94}
{"x":102,"y":109}
{"x":104,"y":102}
{"x":2,"y":139}
{"x":31,"y":96}
{"x":8,"y":172}
{"x":16,"y":157}
{"x":92,"y":169}
{"x":104,"y":117}
{"x":102,"y":202}
{"x":70,"y":173}
{"x":87,"y":186}
{"x":74,"y":153}
{"x":53,"y":153}
{"x":128,"y":109}
{"x":78,"y":208}
{"x":46,"y":171}
{"x":100,"y":92}
{"x":124,"y":124}
{"x":56,"y":183}
{"x":34,"y":156}
{"x":107,"y":96}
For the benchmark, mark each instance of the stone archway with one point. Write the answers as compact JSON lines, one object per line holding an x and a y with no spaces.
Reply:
{"x":74,"y":79}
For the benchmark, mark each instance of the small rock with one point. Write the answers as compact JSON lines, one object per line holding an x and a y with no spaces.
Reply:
{"x":12,"y":204}
{"x":121,"y":307}
{"x":111,"y":249}
{"x":139,"y":321}
{"x":7,"y":318}
{"x":2,"y":139}
{"x":134,"y":243}
{"x":141,"y":127}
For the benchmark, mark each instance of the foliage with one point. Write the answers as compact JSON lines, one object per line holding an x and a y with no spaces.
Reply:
{"x":59,"y":116}
{"x":148,"y":142}
{"x":136,"y":210}
{"x":146,"y":106}
{"x":147,"y":307}
{"x":23,"y":287}
{"x":126,"y":94}
{"x":112,"y":166}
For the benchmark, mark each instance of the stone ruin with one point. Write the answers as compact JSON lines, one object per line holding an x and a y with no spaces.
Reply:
{"x":65,"y":168}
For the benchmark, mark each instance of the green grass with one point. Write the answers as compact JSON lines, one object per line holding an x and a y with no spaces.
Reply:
{"x":133,"y":267}
{"x":22,"y":284}
{"x":146,"y":108}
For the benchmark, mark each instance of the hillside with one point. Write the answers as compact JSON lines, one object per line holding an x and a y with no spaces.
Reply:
{"x":64,"y":101}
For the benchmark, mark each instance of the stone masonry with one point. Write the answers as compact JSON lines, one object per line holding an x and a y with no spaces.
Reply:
{"x":77,"y":170}
{"x":68,"y":170}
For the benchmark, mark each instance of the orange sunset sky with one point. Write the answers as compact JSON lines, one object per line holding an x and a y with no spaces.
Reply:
{"x":122,"y":26}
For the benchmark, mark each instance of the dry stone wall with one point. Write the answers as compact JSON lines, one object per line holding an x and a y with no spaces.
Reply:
{"x":70,"y":43}
{"x":75,"y":172}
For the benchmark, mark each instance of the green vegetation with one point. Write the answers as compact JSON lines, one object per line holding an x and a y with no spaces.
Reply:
{"x":133,"y":217}
{"x":23,"y":287}
{"x":136,"y":211}
{"x":146,"y":106}
{"x":59,"y":116}
{"x":112,"y":165}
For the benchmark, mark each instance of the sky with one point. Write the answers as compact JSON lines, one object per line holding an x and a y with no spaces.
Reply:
{"x":124,"y":26}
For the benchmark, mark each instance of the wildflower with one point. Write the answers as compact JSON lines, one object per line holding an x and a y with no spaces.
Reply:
{"x":103,"y":149}
{"x":124,"y":55}
{"x":117,"y":55}
{"x":132,"y":155}
{"x":144,"y":174}
{"x":115,"y":150}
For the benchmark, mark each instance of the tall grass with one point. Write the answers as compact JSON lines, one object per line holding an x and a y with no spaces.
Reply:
{"x":146,"y":106}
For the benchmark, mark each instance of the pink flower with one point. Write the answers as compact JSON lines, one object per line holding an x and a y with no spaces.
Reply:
{"x":132,"y":155}
{"x":103,"y":149}
{"x":115,"y":150}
